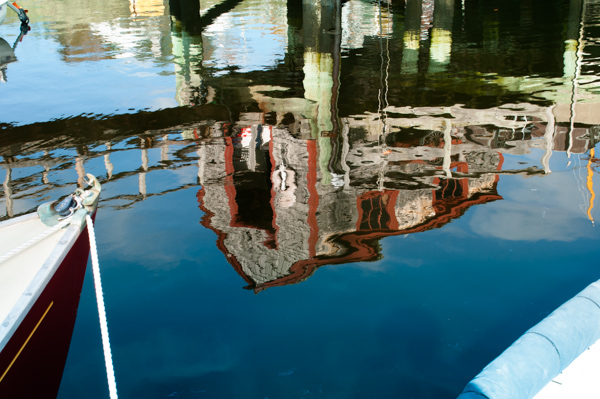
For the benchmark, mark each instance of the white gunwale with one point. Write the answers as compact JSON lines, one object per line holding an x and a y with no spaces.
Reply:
{"x":24,"y":276}
{"x":24,"y":301}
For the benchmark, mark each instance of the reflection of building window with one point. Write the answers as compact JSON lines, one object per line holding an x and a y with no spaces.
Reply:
{"x":449,"y":188}
{"x":375,"y":210}
{"x":254,"y":211}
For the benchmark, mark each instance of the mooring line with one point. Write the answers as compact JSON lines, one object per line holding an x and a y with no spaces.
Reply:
{"x":110,"y":371}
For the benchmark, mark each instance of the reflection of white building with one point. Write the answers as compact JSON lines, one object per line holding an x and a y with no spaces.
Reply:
{"x":361,"y":19}
{"x":291,"y":220}
{"x":141,"y":39}
{"x":251,"y":37}
{"x":277,"y":218}
{"x":147,"y":8}
{"x":138,"y":38}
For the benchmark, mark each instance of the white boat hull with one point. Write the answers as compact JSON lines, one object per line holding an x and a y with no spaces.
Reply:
{"x":3,"y":8}
{"x":39,"y":294}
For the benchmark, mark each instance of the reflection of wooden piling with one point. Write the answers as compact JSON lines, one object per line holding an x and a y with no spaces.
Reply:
{"x":412,"y":26}
{"x":549,"y":139}
{"x":164,"y":149}
{"x":8,"y":193}
{"x":79,"y":160}
{"x":142,"y":175}
{"x":45,"y":179}
{"x":80,"y":171}
{"x":572,"y":42}
{"x":201,"y":163}
{"x":441,"y":36}
{"x":107,"y":164}
{"x":321,"y":79}
{"x":188,"y":12}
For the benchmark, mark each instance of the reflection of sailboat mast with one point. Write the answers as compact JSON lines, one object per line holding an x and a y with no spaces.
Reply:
{"x":574,"y":93}
{"x":142,"y":175}
{"x":336,"y":161}
{"x":384,"y":73}
{"x":575,"y":79}
{"x":383,"y":98}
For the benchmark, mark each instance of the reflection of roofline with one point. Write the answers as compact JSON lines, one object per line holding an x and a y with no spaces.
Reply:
{"x":221,"y":236}
{"x":358,"y":246}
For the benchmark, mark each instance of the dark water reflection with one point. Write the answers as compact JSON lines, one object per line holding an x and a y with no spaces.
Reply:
{"x":296,"y":150}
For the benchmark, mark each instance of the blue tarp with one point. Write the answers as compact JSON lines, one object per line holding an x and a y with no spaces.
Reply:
{"x":540,"y":354}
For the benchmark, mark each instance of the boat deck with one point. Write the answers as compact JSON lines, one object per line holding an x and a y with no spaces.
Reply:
{"x":581,"y":379}
{"x":17,"y":273}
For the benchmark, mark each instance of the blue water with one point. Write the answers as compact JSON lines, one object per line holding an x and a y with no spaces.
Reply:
{"x":492,"y":230}
{"x":418,"y":323}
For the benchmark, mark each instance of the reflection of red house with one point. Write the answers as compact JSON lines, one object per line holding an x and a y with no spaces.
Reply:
{"x":376,"y":211}
{"x":376,"y":218}
{"x":237,"y":212}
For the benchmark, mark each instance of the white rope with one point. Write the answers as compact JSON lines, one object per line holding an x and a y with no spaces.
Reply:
{"x":34,"y":240}
{"x":110,"y":371}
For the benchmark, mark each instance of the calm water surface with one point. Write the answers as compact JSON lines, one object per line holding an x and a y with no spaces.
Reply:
{"x":352,"y":200}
